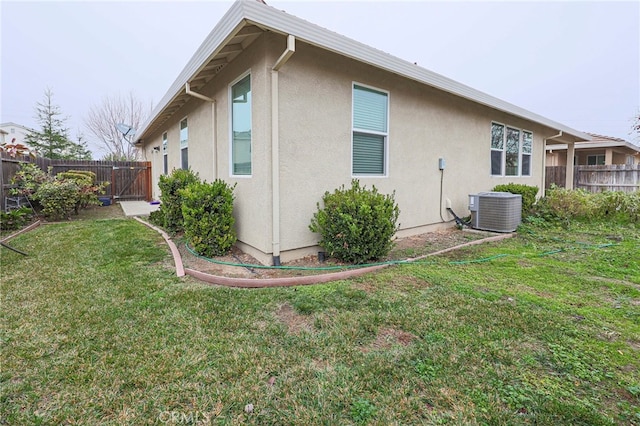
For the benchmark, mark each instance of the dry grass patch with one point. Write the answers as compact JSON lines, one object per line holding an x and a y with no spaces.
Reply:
{"x":387,"y":337}
{"x":295,"y":322}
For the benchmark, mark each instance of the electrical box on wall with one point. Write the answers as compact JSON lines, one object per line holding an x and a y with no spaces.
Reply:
{"x":441,"y":163}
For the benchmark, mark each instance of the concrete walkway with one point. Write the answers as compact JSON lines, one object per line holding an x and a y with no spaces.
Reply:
{"x":138,"y":208}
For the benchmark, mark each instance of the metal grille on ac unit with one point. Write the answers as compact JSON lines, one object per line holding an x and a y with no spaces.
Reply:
{"x":495,"y":211}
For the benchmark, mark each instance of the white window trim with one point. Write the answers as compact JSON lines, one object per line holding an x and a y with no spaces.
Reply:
{"x":180,"y":140}
{"x":371,"y":132}
{"x":503,"y":166}
{"x":530,"y":154}
{"x":165,"y":152}
{"x":604,"y":158}
{"x":230,"y":109}
{"x":503,"y":150}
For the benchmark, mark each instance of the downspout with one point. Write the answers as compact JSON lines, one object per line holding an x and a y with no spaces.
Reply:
{"x":544,"y":161}
{"x":188,"y":91}
{"x":275,"y":149}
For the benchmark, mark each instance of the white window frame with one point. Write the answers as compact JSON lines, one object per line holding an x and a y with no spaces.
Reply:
{"x":230,"y":109}
{"x":385,"y":165}
{"x":521,"y":153}
{"x":186,"y":145}
{"x":596,"y":156}
{"x":165,"y":150}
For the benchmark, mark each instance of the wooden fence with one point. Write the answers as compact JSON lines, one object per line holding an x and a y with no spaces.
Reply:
{"x":128,"y":180}
{"x":615,"y":177}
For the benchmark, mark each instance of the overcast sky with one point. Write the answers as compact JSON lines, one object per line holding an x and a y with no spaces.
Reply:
{"x":573,"y":62}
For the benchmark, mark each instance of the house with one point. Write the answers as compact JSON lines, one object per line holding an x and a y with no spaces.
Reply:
{"x":15,"y":131}
{"x":600,"y":150}
{"x":287,"y":110}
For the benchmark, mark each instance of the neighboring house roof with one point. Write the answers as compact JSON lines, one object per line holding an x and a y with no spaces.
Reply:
{"x":12,"y":124}
{"x":598,"y":141}
{"x":247,"y":19}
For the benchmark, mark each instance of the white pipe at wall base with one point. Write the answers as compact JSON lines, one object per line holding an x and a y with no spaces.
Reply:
{"x":275,"y":148}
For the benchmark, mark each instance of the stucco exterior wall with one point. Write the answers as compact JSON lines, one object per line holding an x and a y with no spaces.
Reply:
{"x":424,"y":125}
{"x":315,"y":115}
{"x":253,"y":200}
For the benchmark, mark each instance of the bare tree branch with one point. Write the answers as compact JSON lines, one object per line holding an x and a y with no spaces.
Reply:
{"x":102,"y":120}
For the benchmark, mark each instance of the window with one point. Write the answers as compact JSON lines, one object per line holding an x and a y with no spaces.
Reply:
{"x":595,"y":160}
{"x":241,"y":127}
{"x":511,"y":151}
{"x":184,"y":144}
{"x":370,"y":131}
{"x":527,"y":147}
{"x":165,"y":162}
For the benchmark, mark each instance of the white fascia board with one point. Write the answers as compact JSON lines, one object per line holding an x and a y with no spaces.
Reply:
{"x":595,"y":145}
{"x":329,"y":40}
{"x":231,"y":22}
{"x":278,"y":21}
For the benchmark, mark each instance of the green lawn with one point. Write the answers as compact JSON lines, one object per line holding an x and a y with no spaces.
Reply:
{"x":96,"y":329}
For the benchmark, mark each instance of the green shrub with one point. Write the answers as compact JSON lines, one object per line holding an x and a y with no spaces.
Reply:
{"x":356,"y":225}
{"x":528,"y":194}
{"x":171,"y":200}
{"x":28,"y":179}
{"x":565,"y":205}
{"x":14,"y":219}
{"x":58,"y":198}
{"x":207,"y":209}
{"x":156,"y":217}
{"x":617,"y":206}
{"x":87,"y":187}
{"x":78,"y":174}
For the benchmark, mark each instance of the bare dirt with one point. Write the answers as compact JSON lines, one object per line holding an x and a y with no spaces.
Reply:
{"x":405,"y":248}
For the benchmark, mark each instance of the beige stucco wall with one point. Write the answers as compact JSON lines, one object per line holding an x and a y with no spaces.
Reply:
{"x":253,"y":201}
{"x":315,"y":91}
{"x":425,"y":124}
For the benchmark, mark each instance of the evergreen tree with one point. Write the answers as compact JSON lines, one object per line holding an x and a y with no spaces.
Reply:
{"x":52,"y":141}
{"x":79,"y":150}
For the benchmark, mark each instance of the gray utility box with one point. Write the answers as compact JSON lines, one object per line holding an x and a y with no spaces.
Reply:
{"x":495,"y":211}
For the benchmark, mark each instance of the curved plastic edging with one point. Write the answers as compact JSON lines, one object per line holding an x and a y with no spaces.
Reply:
{"x":177,"y":259}
{"x":280,"y":282}
{"x":22,"y":231}
{"x":291,"y":281}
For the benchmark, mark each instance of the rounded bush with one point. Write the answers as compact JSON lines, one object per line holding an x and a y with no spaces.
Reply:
{"x":58,"y":198}
{"x":356,"y":225}
{"x":170,"y":187}
{"x":207,"y":209}
{"x":528,"y":194}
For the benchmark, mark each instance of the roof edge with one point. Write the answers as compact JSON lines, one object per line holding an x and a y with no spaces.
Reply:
{"x":308,"y":32}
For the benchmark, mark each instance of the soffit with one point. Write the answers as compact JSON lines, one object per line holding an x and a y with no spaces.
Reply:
{"x":240,"y":39}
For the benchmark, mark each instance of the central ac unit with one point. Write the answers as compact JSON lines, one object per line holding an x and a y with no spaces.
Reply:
{"x":495,"y":211}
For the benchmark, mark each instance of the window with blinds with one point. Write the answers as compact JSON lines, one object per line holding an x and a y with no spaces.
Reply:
{"x":370,"y":131}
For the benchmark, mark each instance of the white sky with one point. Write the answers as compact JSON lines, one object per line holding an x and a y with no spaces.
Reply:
{"x":573,"y":62}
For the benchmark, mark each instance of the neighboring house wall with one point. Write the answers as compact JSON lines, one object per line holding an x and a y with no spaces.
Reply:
{"x":315,"y":129}
{"x":16,"y":131}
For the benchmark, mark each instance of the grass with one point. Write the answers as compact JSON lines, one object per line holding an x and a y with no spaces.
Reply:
{"x":96,"y":329}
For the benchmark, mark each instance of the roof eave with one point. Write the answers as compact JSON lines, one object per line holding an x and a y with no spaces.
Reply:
{"x":243,"y":11}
